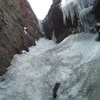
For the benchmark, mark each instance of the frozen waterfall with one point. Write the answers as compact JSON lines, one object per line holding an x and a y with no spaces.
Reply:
{"x":74,"y":63}
{"x":80,"y":8}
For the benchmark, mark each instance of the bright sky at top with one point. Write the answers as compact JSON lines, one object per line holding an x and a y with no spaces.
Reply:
{"x":40,"y":7}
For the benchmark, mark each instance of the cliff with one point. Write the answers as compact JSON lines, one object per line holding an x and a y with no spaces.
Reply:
{"x":67,"y":17}
{"x":18,"y":30}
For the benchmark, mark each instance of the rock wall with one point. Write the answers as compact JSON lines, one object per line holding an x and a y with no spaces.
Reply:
{"x":54,"y":23}
{"x":96,"y":9}
{"x":18,"y":30}
{"x":62,"y":27}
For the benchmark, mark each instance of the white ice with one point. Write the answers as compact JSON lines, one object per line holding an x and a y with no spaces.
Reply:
{"x":98,"y":24}
{"x":81,"y":8}
{"x":41,"y":26}
{"x":32,"y":75}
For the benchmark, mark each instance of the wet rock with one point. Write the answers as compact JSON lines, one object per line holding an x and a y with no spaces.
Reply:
{"x":55,"y":89}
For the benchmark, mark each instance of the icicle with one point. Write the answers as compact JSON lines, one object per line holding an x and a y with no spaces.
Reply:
{"x":79,"y":7}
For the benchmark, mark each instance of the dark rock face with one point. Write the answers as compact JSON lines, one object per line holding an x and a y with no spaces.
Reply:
{"x":55,"y":89}
{"x":15,"y":15}
{"x":54,"y":22}
{"x":96,"y":10}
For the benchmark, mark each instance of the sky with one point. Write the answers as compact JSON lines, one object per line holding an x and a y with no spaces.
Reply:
{"x":40,"y":7}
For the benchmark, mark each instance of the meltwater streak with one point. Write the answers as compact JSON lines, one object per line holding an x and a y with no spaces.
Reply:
{"x":74,"y":63}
